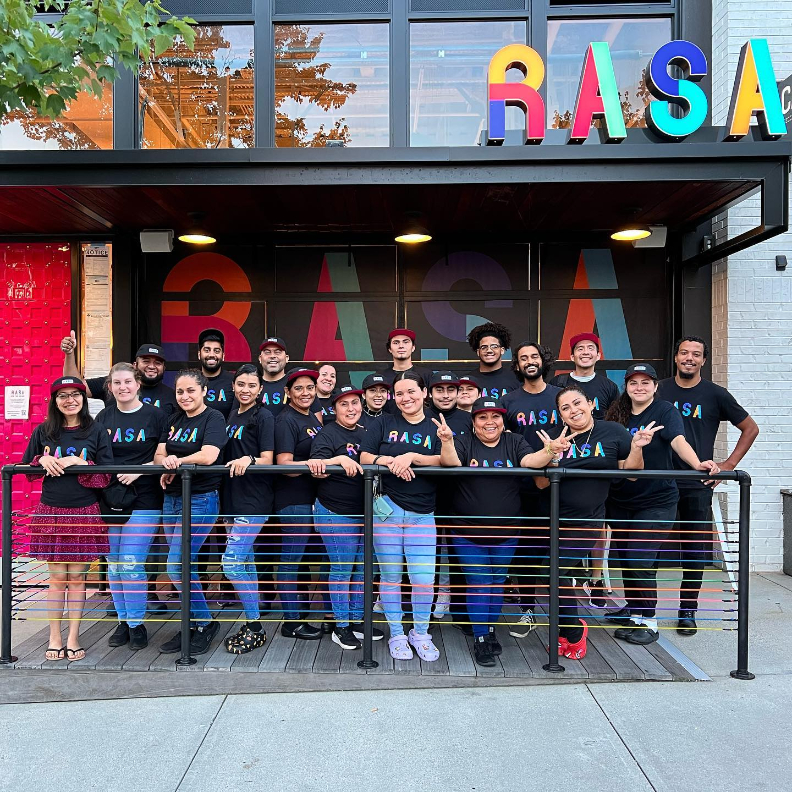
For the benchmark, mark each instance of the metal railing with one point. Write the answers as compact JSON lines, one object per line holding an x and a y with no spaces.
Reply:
{"x":370,"y":472}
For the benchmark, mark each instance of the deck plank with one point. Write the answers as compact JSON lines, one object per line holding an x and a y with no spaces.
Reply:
{"x":440,"y":666}
{"x":142,"y":660}
{"x":278,"y":654}
{"x":217,"y":643}
{"x":250,"y":661}
{"x":116,"y":658}
{"x":219,"y":659}
{"x":328,"y":658}
{"x":513,"y":660}
{"x":613,"y":654}
{"x":460,"y":661}
{"x":381,"y":653}
{"x":302,"y":657}
{"x":652,"y":668}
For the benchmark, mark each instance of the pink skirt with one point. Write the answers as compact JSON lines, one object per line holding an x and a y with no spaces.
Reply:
{"x":68,"y":535}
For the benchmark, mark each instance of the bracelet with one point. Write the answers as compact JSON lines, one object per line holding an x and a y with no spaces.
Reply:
{"x":252,"y":459}
{"x":376,"y":458}
{"x":549,"y":450}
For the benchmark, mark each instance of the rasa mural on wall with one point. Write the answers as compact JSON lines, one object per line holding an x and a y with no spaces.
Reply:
{"x":755,"y":94}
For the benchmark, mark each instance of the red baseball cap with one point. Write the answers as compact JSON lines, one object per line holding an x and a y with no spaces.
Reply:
{"x":67,"y":382}
{"x":576,"y":339}
{"x":399,"y":331}
{"x":301,"y":372}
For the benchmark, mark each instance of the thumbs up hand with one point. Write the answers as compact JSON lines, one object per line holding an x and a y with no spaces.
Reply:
{"x":69,"y":343}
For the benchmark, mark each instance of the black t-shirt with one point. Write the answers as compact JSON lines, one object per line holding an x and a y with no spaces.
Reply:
{"x":248,"y":435}
{"x":582,"y":500}
{"x":294,"y":433}
{"x":602,"y":391}
{"x":392,"y":435}
{"x":65,"y":491}
{"x":496,"y":384}
{"x":220,"y":392}
{"x":702,"y":408}
{"x":273,"y":395}
{"x":527,"y":413}
{"x":658,"y":455}
{"x":185,"y":436}
{"x":368,"y":420}
{"x":325,"y":406}
{"x":488,"y":499}
{"x":339,"y":493}
{"x":134,"y":437}
{"x":159,"y":395}
{"x":461,"y":422}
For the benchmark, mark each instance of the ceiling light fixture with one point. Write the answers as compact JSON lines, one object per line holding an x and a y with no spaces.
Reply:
{"x":632,"y":233}
{"x":414,"y":233}
{"x":196,"y":234}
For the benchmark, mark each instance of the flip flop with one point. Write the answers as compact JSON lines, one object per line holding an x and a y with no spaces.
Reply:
{"x":60,"y":654}
{"x":70,"y":653}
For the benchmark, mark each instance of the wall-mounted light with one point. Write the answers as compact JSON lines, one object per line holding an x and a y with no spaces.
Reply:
{"x":156,"y":240}
{"x":196,"y":234}
{"x":413,"y":232}
{"x":657,"y":239}
{"x":781,"y":263}
{"x":632,"y":233}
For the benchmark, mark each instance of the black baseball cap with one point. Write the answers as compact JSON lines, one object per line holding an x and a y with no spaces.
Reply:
{"x":442,"y":378}
{"x":487,"y":404}
{"x":211,"y":334}
{"x":640,"y":368}
{"x":273,"y":341}
{"x":466,"y":379}
{"x":151,"y":350}
{"x":373,"y":380}
{"x":301,"y":372}
{"x":346,"y":390}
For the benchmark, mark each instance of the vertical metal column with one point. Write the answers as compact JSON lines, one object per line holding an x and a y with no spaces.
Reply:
{"x":368,"y":570}
{"x":5,"y":639}
{"x":555,"y":483}
{"x":186,"y":577}
{"x":743,"y":591}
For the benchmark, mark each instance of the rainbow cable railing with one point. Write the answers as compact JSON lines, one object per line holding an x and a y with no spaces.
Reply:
{"x":288,"y":571}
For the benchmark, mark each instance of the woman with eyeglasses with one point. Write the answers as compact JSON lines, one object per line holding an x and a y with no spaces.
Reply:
{"x":67,"y":531}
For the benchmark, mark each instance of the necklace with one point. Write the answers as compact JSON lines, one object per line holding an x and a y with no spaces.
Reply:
{"x":574,"y":439}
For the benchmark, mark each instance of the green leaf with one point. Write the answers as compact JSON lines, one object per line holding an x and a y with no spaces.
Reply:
{"x":106,"y":73}
{"x":54,"y":106}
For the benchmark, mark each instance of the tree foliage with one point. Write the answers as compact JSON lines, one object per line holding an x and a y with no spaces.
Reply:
{"x":44,"y":64}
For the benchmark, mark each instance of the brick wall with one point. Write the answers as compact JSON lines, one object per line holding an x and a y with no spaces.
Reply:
{"x":751,"y":302}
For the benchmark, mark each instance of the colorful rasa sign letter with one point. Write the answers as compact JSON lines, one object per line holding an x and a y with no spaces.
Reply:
{"x":754,"y":94}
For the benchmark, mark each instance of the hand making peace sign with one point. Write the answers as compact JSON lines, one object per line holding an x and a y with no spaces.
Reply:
{"x":560,"y":444}
{"x":644,"y":436}
{"x":444,"y":432}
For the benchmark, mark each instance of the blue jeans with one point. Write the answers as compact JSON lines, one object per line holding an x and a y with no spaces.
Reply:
{"x":239,"y":563}
{"x":296,"y":524}
{"x":411,"y":536}
{"x":485,"y":572}
{"x":126,"y":564}
{"x":343,"y":539}
{"x":205,"y":509}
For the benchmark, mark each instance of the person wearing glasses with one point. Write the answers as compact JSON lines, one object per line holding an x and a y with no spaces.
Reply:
{"x":67,"y":531}
{"x":490,"y":341}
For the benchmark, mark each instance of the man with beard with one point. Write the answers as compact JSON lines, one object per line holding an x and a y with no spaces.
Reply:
{"x":211,"y":354}
{"x":273,"y":359}
{"x":489,"y":341}
{"x":702,"y":405}
{"x":149,"y":361}
{"x":586,"y":351}
{"x":529,"y":409}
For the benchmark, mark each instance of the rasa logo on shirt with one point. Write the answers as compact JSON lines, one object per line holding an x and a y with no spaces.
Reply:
{"x":216,"y":395}
{"x":352,"y":449}
{"x":584,"y":451}
{"x":494,"y":393}
{"x":59,"y":453}
{"x":688,"y":410}
{"x":272,"y":398}
{"x":405,"y":437}
{"x":127,"y":435}
{"x":487,"y":463}
{"x":537,"y":417}
{"x":182,"y":435}
{"x":312,"y":431}
{"x":147,"y":400}
{"x":235,"y":431}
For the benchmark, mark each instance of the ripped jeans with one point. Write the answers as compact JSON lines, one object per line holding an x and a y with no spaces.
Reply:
{"x":126,"y":564}
{"x":239,"y":562}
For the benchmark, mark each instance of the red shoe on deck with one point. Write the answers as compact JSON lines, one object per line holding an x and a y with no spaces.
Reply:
{"x":577,"y":650}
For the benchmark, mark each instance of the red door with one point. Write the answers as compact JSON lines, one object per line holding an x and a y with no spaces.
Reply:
{"x":36,"y":314}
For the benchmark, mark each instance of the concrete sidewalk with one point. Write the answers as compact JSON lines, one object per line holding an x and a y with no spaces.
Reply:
{"x":724,"y":735}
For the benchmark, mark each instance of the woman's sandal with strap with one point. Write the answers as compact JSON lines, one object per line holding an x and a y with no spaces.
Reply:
{"x":60,"y":654}
{"x":246,"y":640}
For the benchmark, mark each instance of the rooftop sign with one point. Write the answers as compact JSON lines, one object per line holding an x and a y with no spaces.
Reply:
{"x":755,"y":93}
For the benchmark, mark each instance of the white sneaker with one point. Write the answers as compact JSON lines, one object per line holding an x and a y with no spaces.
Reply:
{"x":524,"y":625}
{"x":378,"y":606}
{"x":442,"y":604}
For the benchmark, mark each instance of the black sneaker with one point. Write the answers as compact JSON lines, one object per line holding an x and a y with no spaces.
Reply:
{"x":201,"y":638}
{"x":621,"y":616}
{"x":642,"y":636}
{"x":120,"y":636}
{"x":157,"y":606}
{"x":596,"y":593}
{"x":376,"y":633}
{"x":301,"y":630}
{"x":494,"y":644}
{"x":687,"y":622}
{"x":345,"y":638}
{"x":174,"y":644}
{"x":482,"y":652}
{"x":328,"y":625}
{"x":138,"y":637}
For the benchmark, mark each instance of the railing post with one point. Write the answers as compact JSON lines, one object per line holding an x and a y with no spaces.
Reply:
{"x":186,"y":567}
{"x":555,"y":483}
{"x":5,"y":639}
{"x":743,"y":591}
{"x":368,"y":570}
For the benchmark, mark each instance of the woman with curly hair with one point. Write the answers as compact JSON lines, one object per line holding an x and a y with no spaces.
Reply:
{"x":490,"y":341}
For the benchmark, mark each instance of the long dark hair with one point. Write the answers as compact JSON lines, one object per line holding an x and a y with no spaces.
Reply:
{"x":55,"y":420}
{"x":620,"y":410}
{"x":251,"y":415}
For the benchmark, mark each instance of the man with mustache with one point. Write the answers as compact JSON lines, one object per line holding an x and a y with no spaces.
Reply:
{"x":149,"y":361}
{"x":211,"y":354}
{"x":490,"y":341}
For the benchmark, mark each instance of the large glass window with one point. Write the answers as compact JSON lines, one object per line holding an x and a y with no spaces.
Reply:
{"x":87,"y":123}
{"x":632,"y":43}
{"x":331,"y":83}
{"x":448,"y":79}
{"x":203,"y":98}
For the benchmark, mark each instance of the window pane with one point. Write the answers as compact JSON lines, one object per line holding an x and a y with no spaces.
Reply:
{"x":448,"y":80}
{"x":331,"y":83}
{"x":632,"y":43}
{"x":87,"y":123}
{"x":200,"y":99}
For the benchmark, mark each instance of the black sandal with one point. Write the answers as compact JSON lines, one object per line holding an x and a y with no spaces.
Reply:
{"x":71,"y":652}
{"x":246,"y":640}
{"x":60,"y":654}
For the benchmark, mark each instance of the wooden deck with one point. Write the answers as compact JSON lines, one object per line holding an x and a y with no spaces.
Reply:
{"x":287,"y":663}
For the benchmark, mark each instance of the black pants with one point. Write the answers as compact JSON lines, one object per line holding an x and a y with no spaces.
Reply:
{"x":694,"y":530}
{"x":637,"y":535}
